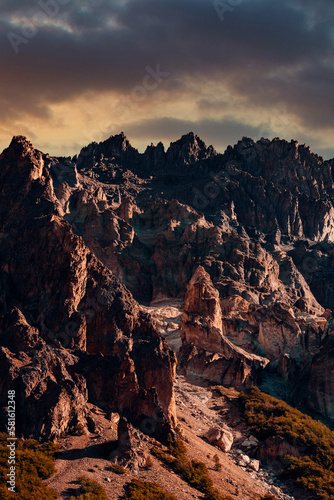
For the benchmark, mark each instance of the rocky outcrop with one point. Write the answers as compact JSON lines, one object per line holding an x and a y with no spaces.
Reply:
{"x":282,"y":186}
{"x":202,"y":318}
{"x":273,"y":451}
{"x":315,"y":262}
{"x":318,"y":393}
{"x":70,"y":332}
{"x":269,"y":191}
{"x":51,"y":398}
{"x":62,"y":170}
{"x":130,"y":451}
{"x":220,"y":437}
{"x":188,"y":150}
{"x":202,"y":339}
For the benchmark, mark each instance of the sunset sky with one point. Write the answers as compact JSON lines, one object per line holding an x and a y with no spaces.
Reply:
{"x":75,"y":71}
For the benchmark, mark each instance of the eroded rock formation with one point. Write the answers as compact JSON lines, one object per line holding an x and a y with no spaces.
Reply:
{"x":70,"y":332}
{"x":205,"y":350}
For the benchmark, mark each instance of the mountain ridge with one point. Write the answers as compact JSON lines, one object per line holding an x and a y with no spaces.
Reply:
{"x":264,"y":236}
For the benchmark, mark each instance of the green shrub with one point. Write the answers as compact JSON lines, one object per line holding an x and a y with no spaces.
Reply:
{"x":34,"y":462}
{"x":311,"y":476}
{"x":139,"y":490}
{"x":228,"y":392}
{"x":117,"y":469}
{"x":89,"y":490}
{"x":177,"y":447}
{"x":269,"y":416}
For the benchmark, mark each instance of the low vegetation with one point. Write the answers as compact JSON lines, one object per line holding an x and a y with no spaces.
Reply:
{"x":34,"y":462}
{"x":89,"y":490}
{"x":269,"y":416}
{"x":144,"y":490}
{"x":78,"y":430}
{"x":193,"y":472}
{"x":228,"y":392}
{"x":117,"y":469}
{"x":218,"y":465}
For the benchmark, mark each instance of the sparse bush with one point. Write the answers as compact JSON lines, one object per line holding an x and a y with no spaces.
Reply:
{"x":117,"y":469}
{"x":228,"y":392}
{"x":218,"y":465}
{"x":139,"y":490}
{"x":89,"y":490}
{"x":78,"y":430}
{"x":193,"y":472}
{"x":34,"y":462}
{"x":177,"y":447}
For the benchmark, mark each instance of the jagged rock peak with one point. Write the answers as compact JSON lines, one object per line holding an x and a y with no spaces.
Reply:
{"x":20,"y":139}
{"x":201,"y":305}
{"x":116,"y":148}
{"x":152,"y":148}
{"x":19,"y":146}
{"x":202,"y":334}
{"x":276,"y":146}
{"x":189,"y":149}
{"x":20,"y":160}
{"x":114,"y":145}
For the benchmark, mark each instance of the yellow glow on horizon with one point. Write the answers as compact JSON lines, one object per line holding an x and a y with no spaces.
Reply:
{"x":95,"y":116}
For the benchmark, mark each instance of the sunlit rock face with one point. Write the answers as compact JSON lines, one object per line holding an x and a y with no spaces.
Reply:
{"x":205,"y":350}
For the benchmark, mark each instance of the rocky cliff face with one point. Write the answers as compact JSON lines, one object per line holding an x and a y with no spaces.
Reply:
{"x":271,"y":192}
{"x":282,"y":188}
{"x":70,"y":332}
{"x":259,"y":219}
{"x":318,"y":392}
{"x":205,"y":350}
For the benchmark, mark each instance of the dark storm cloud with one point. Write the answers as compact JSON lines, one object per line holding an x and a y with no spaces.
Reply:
{"x":268,"y":51}
{"x":327,"y":153}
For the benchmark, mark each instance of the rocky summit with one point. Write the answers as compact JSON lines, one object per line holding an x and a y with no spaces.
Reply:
{"x":99,"y":250}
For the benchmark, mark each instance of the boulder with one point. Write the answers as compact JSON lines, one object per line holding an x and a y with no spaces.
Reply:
{"x":220,"y":437}
{"x":254,"y":465}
